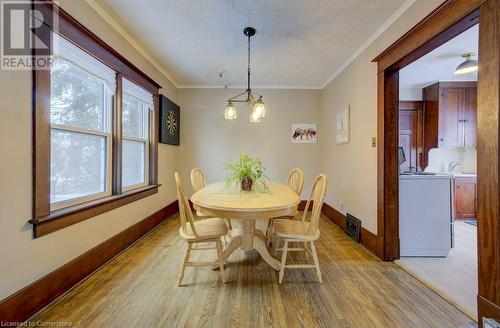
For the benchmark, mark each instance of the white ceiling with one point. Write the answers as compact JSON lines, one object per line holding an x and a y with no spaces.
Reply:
{"x":440,"y":64}
{"x":299,"y":43}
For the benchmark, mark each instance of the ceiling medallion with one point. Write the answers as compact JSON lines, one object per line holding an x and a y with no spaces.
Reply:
{"x":252,"y":98}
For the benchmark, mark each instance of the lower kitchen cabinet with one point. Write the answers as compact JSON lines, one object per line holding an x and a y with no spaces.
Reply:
{"x":465,"y":197}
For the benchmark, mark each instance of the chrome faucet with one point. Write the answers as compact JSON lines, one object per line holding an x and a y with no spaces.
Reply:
{"x":453,"y":164}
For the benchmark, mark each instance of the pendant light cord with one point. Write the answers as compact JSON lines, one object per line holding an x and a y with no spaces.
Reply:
{"x":248,"y":80}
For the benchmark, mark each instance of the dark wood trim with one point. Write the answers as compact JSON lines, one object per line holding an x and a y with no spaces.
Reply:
{"x":450,"y":19}
{"x":488,"y":168}
{"x":153,"y":144}
{"x":41,"y":134}
{"x":87,"y":40}
{"x":302,"y":205}
{"x":23,"y":304}
{"x":487,"y":309}
{"x":368,"y":239}
{"x":44,"y":220}
{"x":63,"y":218}
{"x":117,"y":136}
{"x":387,"y":166}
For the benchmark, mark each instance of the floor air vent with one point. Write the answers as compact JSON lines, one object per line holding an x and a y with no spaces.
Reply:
{"x":353,"y":227}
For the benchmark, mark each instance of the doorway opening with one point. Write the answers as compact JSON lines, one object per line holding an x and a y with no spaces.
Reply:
{"x":437,"y":118}
{"x":450,"y":19}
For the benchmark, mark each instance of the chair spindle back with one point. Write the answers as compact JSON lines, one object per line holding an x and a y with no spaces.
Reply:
{"x":185,"y":212}
{"x":198,"y":180}
{"x":296,"y":180}
{"x":317,"y":196}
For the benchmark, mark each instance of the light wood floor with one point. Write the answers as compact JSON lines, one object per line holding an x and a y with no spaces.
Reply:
{"x":455,"y":276}
{"x":138,"y":289}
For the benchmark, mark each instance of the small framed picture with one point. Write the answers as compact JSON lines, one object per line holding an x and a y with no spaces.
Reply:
{"x":170,"y":122}
{"x":343,"y":126}
{"x":304,"y":133}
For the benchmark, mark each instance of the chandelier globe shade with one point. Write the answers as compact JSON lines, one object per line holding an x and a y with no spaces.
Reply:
{"x":230,"y":112}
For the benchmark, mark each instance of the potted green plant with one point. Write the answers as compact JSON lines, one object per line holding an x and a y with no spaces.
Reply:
{"x":246,"y":172}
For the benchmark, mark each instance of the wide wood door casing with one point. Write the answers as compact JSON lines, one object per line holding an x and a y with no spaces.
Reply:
{"x":488,"y":164}
{"x":450,"y":132}
{"x":443,"y":24}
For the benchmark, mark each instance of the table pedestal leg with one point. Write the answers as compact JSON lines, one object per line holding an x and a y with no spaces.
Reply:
{"x":249,"y":238}
{"x":248,"y":232}
{"x":233,"y":245}
{"x":259,"y":244}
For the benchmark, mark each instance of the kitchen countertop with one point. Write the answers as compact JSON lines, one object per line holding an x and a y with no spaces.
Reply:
{"x":464,"y":175}
{"x":440,"y":175}
{"x":437,"y":176}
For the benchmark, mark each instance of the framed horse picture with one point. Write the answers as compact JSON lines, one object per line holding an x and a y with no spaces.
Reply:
{"x":170,"y":119}
{"x":304,"y":133}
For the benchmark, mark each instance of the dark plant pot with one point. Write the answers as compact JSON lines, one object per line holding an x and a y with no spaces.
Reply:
{"x":246,"y":184}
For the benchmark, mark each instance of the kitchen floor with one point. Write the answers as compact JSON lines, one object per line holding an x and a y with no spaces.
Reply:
{"x":453,"y":277}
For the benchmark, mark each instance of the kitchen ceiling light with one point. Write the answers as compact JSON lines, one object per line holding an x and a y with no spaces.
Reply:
{"x":252,"y":98}
{"x":468,"y":66}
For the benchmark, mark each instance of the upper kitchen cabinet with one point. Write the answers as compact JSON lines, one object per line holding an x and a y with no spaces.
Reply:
{"x":450,"y":115}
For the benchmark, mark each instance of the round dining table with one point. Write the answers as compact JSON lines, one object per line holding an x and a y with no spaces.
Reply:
{"x":247,"y":206}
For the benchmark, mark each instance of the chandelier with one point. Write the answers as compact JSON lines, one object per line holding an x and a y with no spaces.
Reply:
{"x":248,"y":96}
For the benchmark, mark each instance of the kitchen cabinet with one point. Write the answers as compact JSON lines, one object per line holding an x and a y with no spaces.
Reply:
{"x":411,"y":134}
{"x":465,"y":197}
{"x":450,"y":110}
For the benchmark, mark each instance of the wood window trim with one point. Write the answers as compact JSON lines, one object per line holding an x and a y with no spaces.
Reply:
{"x":44,"y":220}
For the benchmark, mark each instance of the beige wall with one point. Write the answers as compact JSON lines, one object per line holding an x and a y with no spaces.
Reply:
{"x":352,"y":167}
{"x":22,"y":258}
{"x":207,"y":139}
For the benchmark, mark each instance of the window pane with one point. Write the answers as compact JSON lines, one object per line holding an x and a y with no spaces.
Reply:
{"x":77,"y":97}
{"x":134,"y":158}
{"x":133,"y":117}
{"x":78,"y":165}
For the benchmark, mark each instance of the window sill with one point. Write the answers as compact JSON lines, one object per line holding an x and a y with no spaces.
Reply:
{"x":62,"y":218}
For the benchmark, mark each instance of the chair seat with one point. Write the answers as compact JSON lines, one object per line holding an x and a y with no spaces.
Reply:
{"x":294,"y":229}
{"x":206,"y":229}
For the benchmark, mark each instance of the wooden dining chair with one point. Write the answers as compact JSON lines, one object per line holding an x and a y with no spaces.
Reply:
{"x":198,"y":182}
{"x":304,"y":230}
{"x":295,"y":181}
{"x":199,"y":231}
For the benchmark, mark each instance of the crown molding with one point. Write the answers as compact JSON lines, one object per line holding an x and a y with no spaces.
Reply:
{"x":117,"y":27}
{"x":401,"y":10}
{"x":262,"y":87}
{"x":111,"y":21}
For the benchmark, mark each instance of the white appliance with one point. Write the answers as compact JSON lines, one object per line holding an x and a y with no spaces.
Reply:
{"x":426,"y":215}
